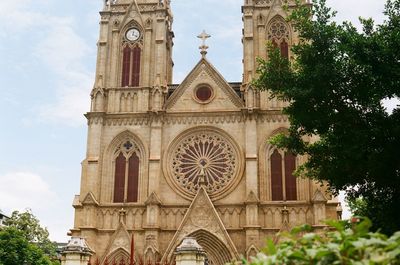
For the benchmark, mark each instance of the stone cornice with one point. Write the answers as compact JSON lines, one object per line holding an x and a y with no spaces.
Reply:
{"x":192,"y":118}
{"x":266,"y":204}
{"x":217,"y":205}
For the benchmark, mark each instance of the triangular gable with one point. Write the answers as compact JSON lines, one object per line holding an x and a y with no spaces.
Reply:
{"x":90,"y":200}
{"x":120,"y":240}
{"x":201,"y":216}
{"x":252,"y":198}
{"x":277,"y":9}
{"x":153,"y":199}
{"x":319,"y":197}
{"x":225,"y":98}
{"x":132,"y":13}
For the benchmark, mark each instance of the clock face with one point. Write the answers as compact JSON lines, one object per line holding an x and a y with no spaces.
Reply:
{"x":133,"y":34}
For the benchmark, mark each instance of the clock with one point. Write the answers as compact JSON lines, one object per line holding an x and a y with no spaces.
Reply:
{"x":132,"y":34}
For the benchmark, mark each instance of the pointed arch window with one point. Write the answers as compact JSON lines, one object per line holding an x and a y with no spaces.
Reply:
{"x":126,"y":173}
{"x":283,"y":182}
{"x":131,"y":57}
{"x":278,"y":34}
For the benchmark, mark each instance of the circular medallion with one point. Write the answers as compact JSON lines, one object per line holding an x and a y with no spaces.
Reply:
{"x":203,"y":157}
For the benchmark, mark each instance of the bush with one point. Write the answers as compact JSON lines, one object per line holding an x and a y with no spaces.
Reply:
{"x":346,"y":242}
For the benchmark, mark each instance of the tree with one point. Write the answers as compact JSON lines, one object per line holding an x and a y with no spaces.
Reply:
{"x":335,"y":87}
{"x":349,"y":243}
{"x":16,"y":249}
{"x":32,"y":231}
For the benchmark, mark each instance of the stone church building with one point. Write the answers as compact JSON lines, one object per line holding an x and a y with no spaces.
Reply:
{"x":165,"y":161}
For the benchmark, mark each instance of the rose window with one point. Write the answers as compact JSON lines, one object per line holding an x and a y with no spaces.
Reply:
{"x":204,"y":158}
{"x":204,"y":93}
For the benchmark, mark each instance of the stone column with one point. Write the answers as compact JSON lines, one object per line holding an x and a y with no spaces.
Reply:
{"x":190,"y":253}
{"x":90,"y":176}
{"x":248,"y":42}
{"x":77,"y":252}
{"x":155,"y":154}
{"x":251,"y":154}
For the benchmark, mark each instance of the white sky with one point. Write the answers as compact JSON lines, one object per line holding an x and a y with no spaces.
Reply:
{"x":48,"y":55}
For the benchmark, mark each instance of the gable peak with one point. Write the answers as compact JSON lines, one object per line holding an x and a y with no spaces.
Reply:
{"x":201,"y":216}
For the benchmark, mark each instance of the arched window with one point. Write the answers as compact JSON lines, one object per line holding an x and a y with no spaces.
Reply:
{"x":131,"y":57}
{"x":283,"y":182}
{"x":126,"y":173}
{"x":290,"y":179}
{"x":126,"y":65}
{"x":276,"y":176}
{"x":119,"y":184}
{"x":278,"y":34}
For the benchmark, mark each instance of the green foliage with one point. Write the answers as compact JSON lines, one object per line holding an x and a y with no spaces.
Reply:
{"x":335,"y":88}
{"x":16,"y":249}
{"x":30,"y":227}
{"x":348,"y":243}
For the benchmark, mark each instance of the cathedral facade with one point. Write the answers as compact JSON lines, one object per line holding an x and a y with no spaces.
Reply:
{"x":166,"y":161}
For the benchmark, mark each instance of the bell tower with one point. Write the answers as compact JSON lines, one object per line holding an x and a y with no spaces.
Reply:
{"x":134,"y":56}
{"x":265,"y":22}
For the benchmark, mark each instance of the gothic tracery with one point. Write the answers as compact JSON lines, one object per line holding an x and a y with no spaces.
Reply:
{"x":204,"y":157}
{"x":278,"y":29}
{"x":278,"y":34}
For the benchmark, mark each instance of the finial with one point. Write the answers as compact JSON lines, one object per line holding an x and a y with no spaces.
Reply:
{"x":122,"y":215}
{"x":203,"y":48}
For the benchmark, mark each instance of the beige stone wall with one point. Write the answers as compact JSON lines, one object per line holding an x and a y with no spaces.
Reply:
{"x":153,"y":121}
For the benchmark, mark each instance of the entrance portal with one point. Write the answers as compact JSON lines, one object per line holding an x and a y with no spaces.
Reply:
{"x":216,"y":251}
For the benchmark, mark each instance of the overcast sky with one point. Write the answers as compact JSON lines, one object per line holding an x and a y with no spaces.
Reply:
{"x":48,"y":55}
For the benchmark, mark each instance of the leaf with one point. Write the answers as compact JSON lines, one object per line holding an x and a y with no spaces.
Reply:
{"x":270,"y":248}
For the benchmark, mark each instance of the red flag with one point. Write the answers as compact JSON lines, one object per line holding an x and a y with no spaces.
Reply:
{"x":132,"y":260}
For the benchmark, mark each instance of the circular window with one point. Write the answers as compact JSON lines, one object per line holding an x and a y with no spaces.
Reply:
{"x":204,"y":93}
{"x":207,"y":157}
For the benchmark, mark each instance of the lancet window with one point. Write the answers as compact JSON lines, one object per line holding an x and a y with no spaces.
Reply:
{"x":278,"y":34}
{"x":126,"y":173}
{"x":283,"y":183}
{"x":131,"y":56}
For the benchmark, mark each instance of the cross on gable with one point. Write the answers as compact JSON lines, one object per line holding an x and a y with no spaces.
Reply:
{"x":204,"y":36}
{"x":203,"y":48}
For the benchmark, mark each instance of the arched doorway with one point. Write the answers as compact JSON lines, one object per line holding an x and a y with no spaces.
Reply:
{"x":217,"y":252}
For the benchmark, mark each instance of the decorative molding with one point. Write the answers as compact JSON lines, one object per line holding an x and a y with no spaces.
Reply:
{"x":190,"y":118}
{"x":90,"y":199}
{"x":149,"y":7}
{"x":153,"y":199}
{"x":252,"y":198}
{"x":319,"y":197}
